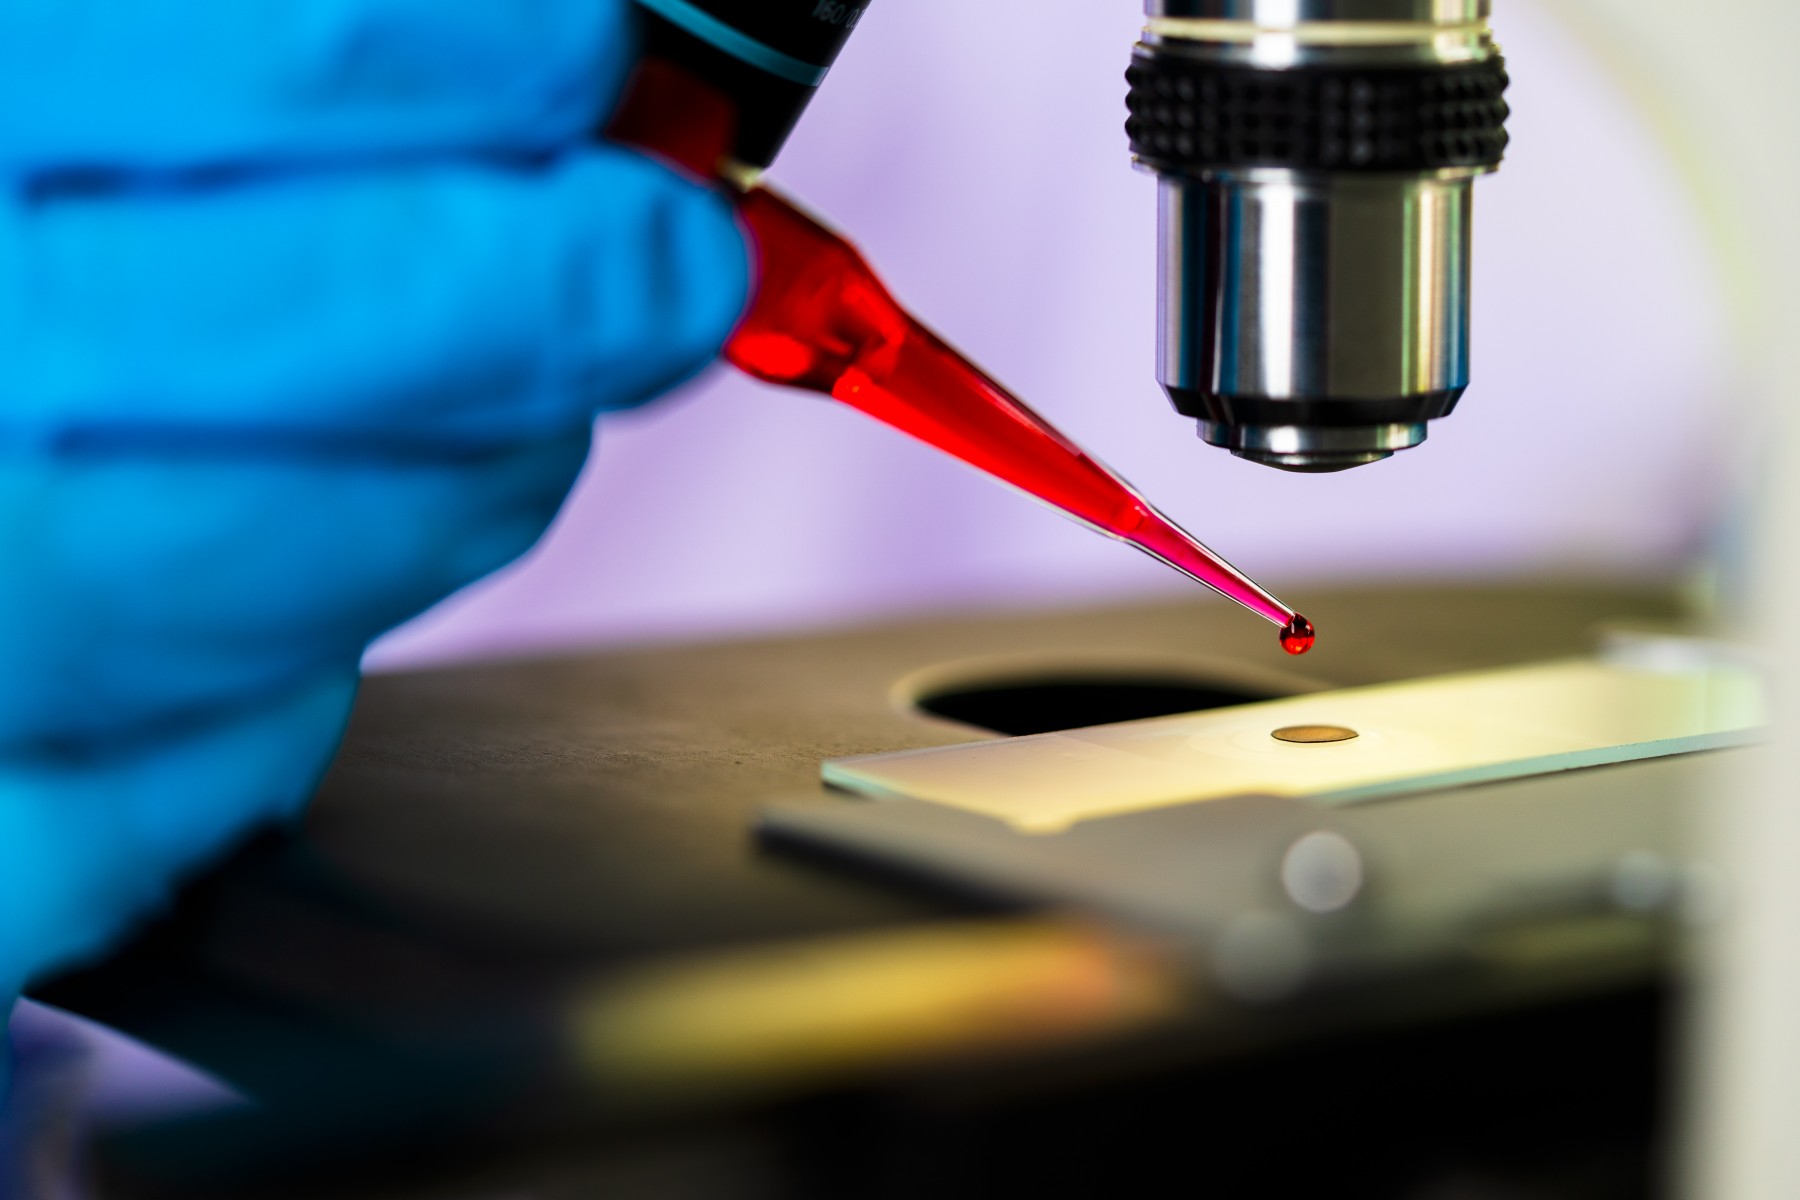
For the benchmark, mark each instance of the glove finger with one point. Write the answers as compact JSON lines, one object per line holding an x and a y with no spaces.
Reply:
{"x":158,"y":84}
{"x":158,"y":589}
{"x":86,"y":847}
{"x":461,"y":302}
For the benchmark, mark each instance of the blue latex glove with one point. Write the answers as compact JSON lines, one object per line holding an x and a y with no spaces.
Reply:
{"x":306,"y":307}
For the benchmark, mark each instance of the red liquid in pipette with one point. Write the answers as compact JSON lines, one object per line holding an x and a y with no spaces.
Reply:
{"x":822,"y":320}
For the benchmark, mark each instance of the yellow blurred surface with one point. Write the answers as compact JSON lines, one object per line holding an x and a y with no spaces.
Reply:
{"x":782,"y":1015}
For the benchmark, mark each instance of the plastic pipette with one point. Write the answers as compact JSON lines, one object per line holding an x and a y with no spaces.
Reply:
{"x":820,"y":319}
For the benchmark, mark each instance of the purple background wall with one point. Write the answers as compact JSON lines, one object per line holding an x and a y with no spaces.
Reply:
{"x":1001,"y":206}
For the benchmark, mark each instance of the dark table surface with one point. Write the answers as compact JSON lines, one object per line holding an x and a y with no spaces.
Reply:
{"x":490,"y":832}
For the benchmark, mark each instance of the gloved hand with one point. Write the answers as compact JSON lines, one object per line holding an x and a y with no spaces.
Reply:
{"x":306,"y":307}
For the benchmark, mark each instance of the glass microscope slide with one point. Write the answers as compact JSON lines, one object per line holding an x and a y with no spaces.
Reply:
{"x":1403,"y":737}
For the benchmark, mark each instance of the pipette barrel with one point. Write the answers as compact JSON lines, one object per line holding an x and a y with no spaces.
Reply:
{"x":819,"y":318}
{"x":822,"y":320}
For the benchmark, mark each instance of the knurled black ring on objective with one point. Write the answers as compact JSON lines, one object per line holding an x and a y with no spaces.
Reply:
{"x":1191,"y":115}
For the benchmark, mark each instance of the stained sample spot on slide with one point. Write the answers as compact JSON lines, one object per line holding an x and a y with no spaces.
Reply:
{"x":1310,"y":734}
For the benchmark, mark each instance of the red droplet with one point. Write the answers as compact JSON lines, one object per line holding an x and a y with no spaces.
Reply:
{"x":1297,"y":635}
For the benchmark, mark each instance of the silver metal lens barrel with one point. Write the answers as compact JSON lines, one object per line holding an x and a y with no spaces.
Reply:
{"x":1276,"y":14}
{"x":1315,"y":180}
{"x":1327,"y":299}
